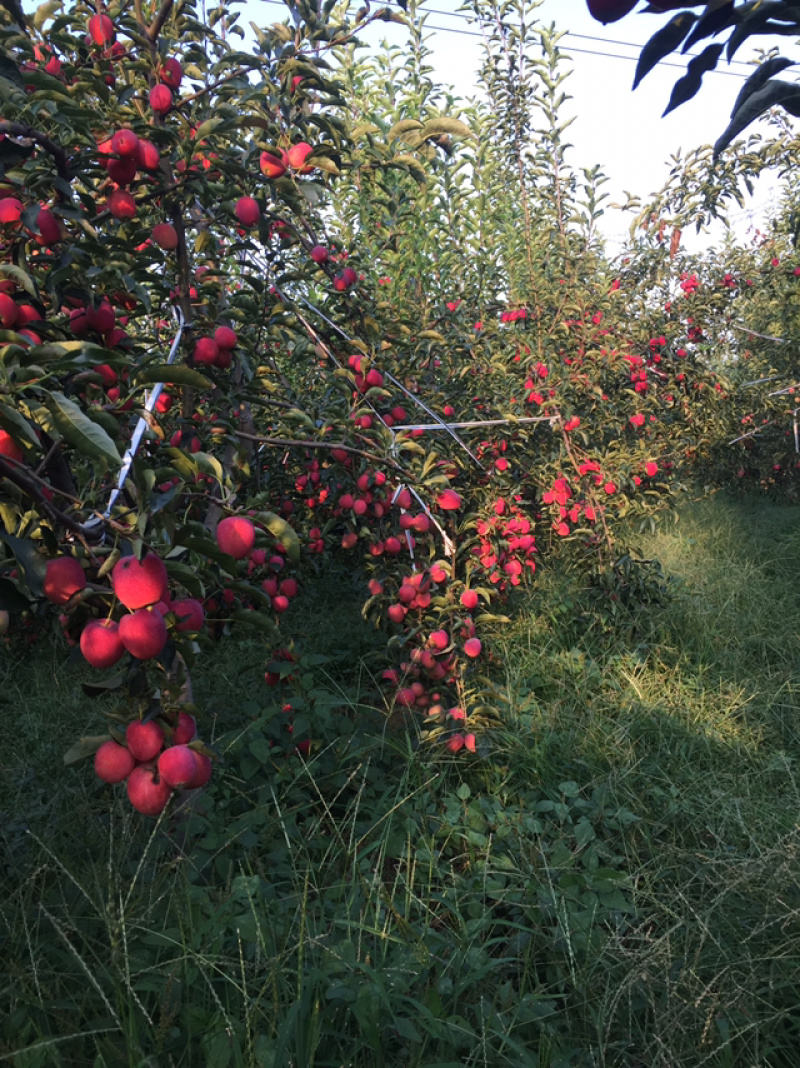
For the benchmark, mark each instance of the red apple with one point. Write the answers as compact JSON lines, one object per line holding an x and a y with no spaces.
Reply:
{"x":177,"y":765}
{"x":121,"y":204}
{"x":100,"y":643}
{"x":63,"y":578}
{"x":171,"y":73}
{"x":139,"y":583}
{"x":203,"y":772}
{"x":449,"y":501}
{"x":191,"y":614}
{"x":165,"y":236}
{"x":8,"y":311}
{"x":297,"y":156}
{"x":10,"y":211}
{"x":113,"y":762}
{"x":144,"y":740}
{"x":185,"y":729}
{"x":273,"y":166}
{"x":147,"y":156}
{"x":9,"y":447}
{"x":147,"y":792}
{"x":469,"y":599}
{"x":161,"y":99}
{"x":319,"y":254}
{"x":225,"y":337}
{"x":123,"y":170}
{"x":49,"y":230}
{"x":472,"y":647}
{"x":125,"y":143}
{"x":206,"y":351}
{"x":101,"y":318}
{"x":101,"y":30}
{"x":247,"y":211}
{"x":143,"y":633}
{"x":236,"y":536}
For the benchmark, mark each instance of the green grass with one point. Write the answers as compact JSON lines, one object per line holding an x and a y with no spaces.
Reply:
{"x":612,"y":882}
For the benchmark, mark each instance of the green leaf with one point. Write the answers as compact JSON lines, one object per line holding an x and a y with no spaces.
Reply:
{"x":414,"y":166}
{"x":255,"y":619}
{"x":18,"y":426}
{"x":206,"y":128}
{"x":177,"y":374}
{"x":31,"y":562}
{"x":662,"y":43}
{"x":774,"y":93}
{"x":84,"y":748}
{"x":443,"y":125}
{"x":10,"y":270}
{"x":760,"y":75}
{"x":686,"y":87}
{"x":402,"y":127}
{"x":79,"y":431}
{"x":282,"y":531}
{"x":710,"y":23}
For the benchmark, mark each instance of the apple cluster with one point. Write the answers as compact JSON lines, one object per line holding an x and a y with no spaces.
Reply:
{"x":153,"y":763}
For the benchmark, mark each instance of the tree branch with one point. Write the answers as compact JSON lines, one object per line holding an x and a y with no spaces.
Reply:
{"x":21,"y":129}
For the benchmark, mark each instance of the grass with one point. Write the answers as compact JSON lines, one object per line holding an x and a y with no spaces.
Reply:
{"x":611,"y":882}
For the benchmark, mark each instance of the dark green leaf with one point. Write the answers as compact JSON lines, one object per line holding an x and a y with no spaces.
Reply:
{"x":84,"y":748}
{"x":710,"y":22}
{"x":759,"y":76}
{"x":686,"y":87}
{"x":79,"y":431}
{"x":177,"y":374}
{"x":662,"y":43}
{"x":774,"y":93}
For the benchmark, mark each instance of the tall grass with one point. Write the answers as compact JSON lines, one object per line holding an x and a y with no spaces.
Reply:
{"x":613,"y":883}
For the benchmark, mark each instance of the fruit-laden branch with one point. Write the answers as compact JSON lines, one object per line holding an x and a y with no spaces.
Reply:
{"x":281,"y":443}
{"x":20,"y":129}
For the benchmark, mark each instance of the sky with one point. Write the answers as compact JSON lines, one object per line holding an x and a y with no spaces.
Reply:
{"x":619,"y":129}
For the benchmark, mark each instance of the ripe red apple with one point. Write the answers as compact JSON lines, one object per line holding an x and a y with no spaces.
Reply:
{"x":297,"y":156}
{"x":225,"y":337}
{"x":280,"y":603}
{"x":396,"y":612}
{"x":469,"y":600}
{"x":171,"y":73}
{"x":122,"y":170}
{"x":113,"y":762}
{"x":206,"y":351}
{"x":204,"y":768}
{"x":8,"y":311}
{"x":147,"y":156}
{"x":125,"y":143}
{"x":610,"y":10}
{"x":49,"y":230}
{"x":177,"y":765}
{"x":63,"y":578}
{"x":143,"y":633}
{"x":236,"y":536}
{"x":9,"y":447}
{"x":161,"y":99}
{"x":319,"y":254}
{"x":191,"y":614}
{"x":144,"y":740}
{"x":449,"y":501}
{"x":651,"y":469}
{"x":273,"y":166}
{"x":247,"y":211}
{"x":147,"y":792}
{"x":139,"y":583}
{"x":165,"y":236}
{"x":10,"y":211}
{"x":439,"y":640}
{"x":185,"y":729}
{"x":101,"y":30}
{"x":472,"y":647}
{"x":101,"y":318}
{"x":100,"y":643}
{"x":121,"y":204}
{"x":288,"y":587}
